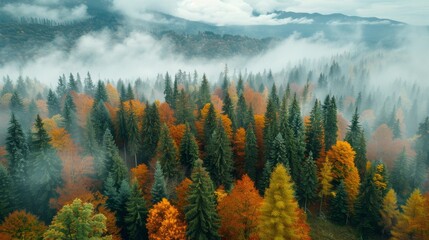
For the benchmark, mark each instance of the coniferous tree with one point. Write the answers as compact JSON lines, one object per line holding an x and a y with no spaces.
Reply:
{"x":200,"y":213}
{"x":45,"y":174}
{"x":72,"y":84}
{"x":184,"y":108}
{"x":151,"y":128}
{"x":277,"y":155}
{"x":133,"y":143}
{"x":228,"y":109}
{"x":219,"y":158}
{"x":241,"y":111}
{"x":422,"y":154}
{"x":204,"y":93}
{"x":168,"y":90}
{"x":356,"y":137}
{"x":270,"y":124}
{"x":314,"y":131}
{"x":210,"y":125}
{"x":297,"y":127}
{"x":100,"y":120}
{"x":240,"y":85}
{"x":330,"y":122}
{"x":135,"y":218}
{"x":167,"y":153}
{"x":61,"y":86}
{"x":188,"y":151}
{"x":16,"y":106}
{"x":389,"y":212}
{"x":7,"y":87}
{"x":399,"y":178}
{"x":70,"y":118}
{"x":308,"y":184}
{"x":100,"y":94}
{"x":112,"y":165}
{"x":89,"y":87}
{"x":122,"y":127}
{"x":158,"y":190}
{"x":250,"y":153}
{"x":339,"y":206}
{"x":6,"y":196}
{"x":53,"y":104}
{"x":130,"y":93}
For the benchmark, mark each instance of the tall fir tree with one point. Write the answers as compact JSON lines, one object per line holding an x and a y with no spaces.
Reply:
{"x":100,"y":94}
{"x":61,"y":86}
{"x":356,"y":137}
{"x":399,"y":179}
{"x":184,"y":108}
{"x":210,"y":124}
{"x":168,"y":90}
{"x":229,"y":109}
{"x":241,"y":112}
{"x":112,"y":164}
{"x":136,"y":214}
{"x":330,"y":122}
{"x":308,"y":184}
{"x":133,"y":132}
{"x":204,"y":93}
{"x":158,"y":190}
{"x":89,"y":87}
{"x":72,"y":84}
{"x":53,"y":104}
{"x":188,"y":151}
{"x":101,"y":121}
{"x":271,"y":123}
{"x":70,"y":117}
{"x":314,"y":135}
{"x":389,"y":212}
{"x":339,"y":205}
{"x":16,"y":106}
{"x":200,"y":213}
{"x":297,"y":126}
{"x":219,"y":158}
{"x":250,"y":153}
{"x":6,"y":195}
{"x":151,"y":128}
{"x":167,"y":153}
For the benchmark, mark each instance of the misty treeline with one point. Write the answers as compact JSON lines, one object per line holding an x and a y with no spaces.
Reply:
{"x":180,"y":156}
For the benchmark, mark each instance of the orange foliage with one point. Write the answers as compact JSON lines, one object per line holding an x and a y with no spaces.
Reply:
{"x":166,"y":114}
{"x":137,"y":106}
{"x":3,"y":154}
{"x":182,"y":191}
{"x":217,"y":103}
{"x":142,"y":175}
{"x":177,"y":132}
{"x":83,"y":104}
{"x":239,"y":211}
{"x":163,"y":222}
{"x":255,"y":99}
{"x":238,"y":147}
{"x":259,"y":133}
{"x":112,"y":95}
{"x":302,"y":229}
{"x":383,"y":147}
{"x":112,"y":111}
{"x":42,"y":106}
{"x":342,"y":127}
{"x":21,"y":225}
{"x":227,"y":125}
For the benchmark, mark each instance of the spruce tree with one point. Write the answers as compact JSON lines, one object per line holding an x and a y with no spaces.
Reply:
{"x":330,"y":122}
{"x":122,"y":127}
{"x":168,"y":90}
{"x":167,"y":153}
{"x":271,"y":124}
{"x":61,"y":86}
{"x":314,"y":131}
{"x":250,"y":153}
{"x":70,"y":118}
{"x":209,"y":126}
{"x":133,"y":143}
{"x":219,"y":158}
{"x":158,"y":190}
{"x":16,"y":106}
{"x":188,"y":151}
{"x":53,"y":104}
{"x":112,"y":165}
{"x":72,"y":84}
{"x":151,"y":128}
{"x":7,"y":87}
{"x":204,"y":93}
{"x":297,"y":127}
{"x":101,"y":121}
{"x":356,"y":137}
{"x":228,"y":109}
{"x":200,"y":213}
{"x":277,"y":155}
{"x":89,"y":87}
{"x":100,"y":94}
{"x":399,"y":178}
{"x":130,"y":93}
{"x":308,"y":184}
{"x":6,"y":196}
{"x":242,"y":112}
{"x":184,"y":108}
{"x":136,"y":214}
{"x":339,"y":207}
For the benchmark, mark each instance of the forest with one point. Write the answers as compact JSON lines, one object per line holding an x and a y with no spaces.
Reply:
{"x":314,"y":151}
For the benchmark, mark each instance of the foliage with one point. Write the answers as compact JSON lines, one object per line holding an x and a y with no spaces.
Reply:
{"x":163,"y":222}
{"x":22,"y":225}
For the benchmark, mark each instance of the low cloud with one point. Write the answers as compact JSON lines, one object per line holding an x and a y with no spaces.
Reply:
{"x":46,"y":9}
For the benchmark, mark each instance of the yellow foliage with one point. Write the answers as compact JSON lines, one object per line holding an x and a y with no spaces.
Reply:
{"x":163,"y":222}
{"x":389,"y":212}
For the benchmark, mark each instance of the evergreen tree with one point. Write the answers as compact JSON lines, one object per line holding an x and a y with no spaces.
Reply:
{"x":240,"y":85}
{"x":297,"y":127}
{"x":200,"y":214}
{"x":72,"y":85}
{"x":101,"y":121}
{"x":339,"y":205}
{"x":330,"y":122}
{"x":135,"y":219}
{"x":314,"y":131}
{"x":210,"y":124}
{"x":399,"y":178}
{"x":18,"y":151}
{"x":61,"y":86}
{"x":21,"y":87}
{"x":89,"y":87}
{"x":188,"y":151}
{"x":308,"y":184}
{"x":122,"y":127}
{"x":250,"y":153}
{"x":45,"y":174}
{"x":6,"y":204}
{"x":53,"y":104}
{"x":70,"y":118}
{"x":158,"y":190}
{"x":242,"y":112}
{"x":228,"y":109}
{"x":7,"y":87}
{"x":133,"y":143}
{"x":151,"y":128}
{"x":167,"y":153}
{"x":100,"y":94}
{"x":112,"y":165}
{"x":279,"y":199}
{"x":130,"y":93}
{"x":389,"y":212}
{"x":219,"y":158}
{"x":356,"y":137}
{"x":168,"y":90}
{"x":184,"y":108}
{"x":124,"y":194}
{"x":204,"y":93}
{"x":16,"y":106}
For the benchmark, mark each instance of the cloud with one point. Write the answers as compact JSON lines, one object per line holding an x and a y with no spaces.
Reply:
{"x":47,"y":9}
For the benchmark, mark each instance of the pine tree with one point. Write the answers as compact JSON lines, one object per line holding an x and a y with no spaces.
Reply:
{"x":45,"y":174}
{"x":6,"y":203}
{"x":339,"y":206}
{"x":240,"y":85}
{"x":158,"y":190}
{"x":308,"y":184}
{"x":325,"y":179}
{"x":200,"y":214}
{"x":250,"y":153}
{"x":279,"y":211}
{"x":53,"y":104}
{"x":69,"y":115}
{"x":271,"y":124}
{"x":330,"y":122}
{"x":204,"y":93}
{"x":167,"y":153}
{"x":135,"y":218}
{"x":111,"y":164}
{"x":241,"y":112}
{"x":72,"y":84}
{"x":16,"y":106}
{"x":100,"y":120}
{"x":399,"y":178}
{"x":89,"y":87}
{"x":7,"y":87}
{"x":210,"y":124}
{"x":314,"y":135}
{"x":356,"y":137}
{"x":151,"y":128}
{"x":219,"y":158}
{"x":100,"y":94}
{"x":168,"y":90}
{"x":61,"y":86}
{"x":297,"y":127}
{"x":184,"y":108}
{"x":133,"y":143}
{"x":228,"y":109}
{"x":122,"y":127}
{"x":389,"y":212}
{"x":188,"y":151}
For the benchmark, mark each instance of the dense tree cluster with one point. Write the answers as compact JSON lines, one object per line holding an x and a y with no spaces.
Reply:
{"x":99,"y":160}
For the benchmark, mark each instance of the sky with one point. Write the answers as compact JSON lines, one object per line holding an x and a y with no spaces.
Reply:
{"x":230,"y":12}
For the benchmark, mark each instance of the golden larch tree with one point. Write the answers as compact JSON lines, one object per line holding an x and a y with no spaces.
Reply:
{"x":163,"y":222}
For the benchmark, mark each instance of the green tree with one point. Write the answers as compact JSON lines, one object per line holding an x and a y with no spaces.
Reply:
{"x":204,"y":93}
{"x":314,"y":135}
{"x":250,"y":153}
{"x":16,"y":106}
{"x":70,"y":118}
{"x":228,"y":109}
{"x":61,"y":86}
{"x":100,"y":120}
{"x":184,"y":108}
{"x":136,"y":215}
{"x":151,"y":128}
{"x":399,"y":178}
{"x":72,"y":84}
{"x":330,"y":122}
{"x":7,"y":86}
{"x":210,"y":124}
{"x":200,"y":214}
{"x":241,"y":112}
{"x":6,"y":195}
{"x":100,"y":94}
{"x":77,"y":221}
{"x":158,"y":190}
{"x":219,"y":158}
{"x":167,"y":153}
{"x":356,"y":137}
{"x":168,"y":91}
{"x":133,"y":143}
{"x":297,"y":127}
{"x":188,"y":151}
{"x":89,"y":87}
{"x":308,"y":184}
{"x":339,"y":205}
{"x":53,"y":104}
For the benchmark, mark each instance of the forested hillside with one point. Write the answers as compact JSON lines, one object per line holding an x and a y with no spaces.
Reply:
{"x":315,"y":151}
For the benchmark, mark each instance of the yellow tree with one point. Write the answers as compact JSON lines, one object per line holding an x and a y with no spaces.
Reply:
{"x":280,"y":211}
{"x":238,"y":147}
{"x":182,"y":191}
{"x":389,"y":212}
{"x":239,"y":211}
{"x":411,"y":223}
{"x":325,"y":179}
{"x":163,"y":222}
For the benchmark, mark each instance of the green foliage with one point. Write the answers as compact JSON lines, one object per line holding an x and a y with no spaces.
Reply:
{"x":298,"y":146}
{"x":356,"y":137}
{"x":399,"y":178}
{"x":200,"y":214}
{"x":69,"y":115}
{"x":6,"y":196}
{"x":135,"y":218}
{"x":100,"y":93}
{"x":330,"y":122}
{"x":167,"y":153}
{"x":250,"y":153}
{"x":314,"y":131}
{"x":204,"y":93}
{"x":158,"y":190}
{"x":308,"y":184}
{"x":339,"y":206}
{"x":77,"y":221}
{"x":53,"y":104}
{"x":101,"y":121}
{"x":151,"y":129}
{"x":188,"y":151}
{"x":228,"y":109}
{"x":168,"y":91}
{"x":241,"y":112}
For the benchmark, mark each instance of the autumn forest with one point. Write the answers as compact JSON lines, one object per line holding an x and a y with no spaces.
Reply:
{"x":262,"y":155}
